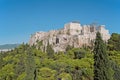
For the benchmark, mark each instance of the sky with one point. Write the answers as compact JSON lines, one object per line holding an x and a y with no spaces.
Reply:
{"x":21,"y":18}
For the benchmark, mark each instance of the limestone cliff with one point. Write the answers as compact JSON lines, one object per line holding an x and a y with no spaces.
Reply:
{"x":73,"y":34}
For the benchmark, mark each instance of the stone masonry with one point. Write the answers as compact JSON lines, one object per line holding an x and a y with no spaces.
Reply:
{"x":73,"y":34}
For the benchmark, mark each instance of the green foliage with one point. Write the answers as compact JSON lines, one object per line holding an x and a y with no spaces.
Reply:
{"x":116,"y":69}
{"x":39,"y":44}
{"x":50,"y":51}
{"x":102,"y":69}
{"x":1,"y":60}
{"x":22,"y":76}
{"x":114,"y":42}
{"x":45,"y":74}
{"x":79,"y":54}
{"x":30,"y":63}
{"x":64,"y":76}
{"x":114,"y":56}
{"x":70,"y":54}
{"x":77,"y":74}
{"x":7,"y":72}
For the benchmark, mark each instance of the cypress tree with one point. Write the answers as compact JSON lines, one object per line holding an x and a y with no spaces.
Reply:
{"x":50,"y":51}
{"x":102,"y":69}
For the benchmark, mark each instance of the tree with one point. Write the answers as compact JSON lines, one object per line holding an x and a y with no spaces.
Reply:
{"x":1,"y":60}
{"x":30,"y":65}
{"x":79,"y":54}
{"x":77,"y":74}
{"x":39,"y":44}
{"x":116,"y":69}
{"x":102,"y":69}
{"x":114,"y":42}
{"x":45,"y":73}
{"x":50,"y":51}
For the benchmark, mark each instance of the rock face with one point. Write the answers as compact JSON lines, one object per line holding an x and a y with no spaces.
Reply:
{"x":73,"y":34}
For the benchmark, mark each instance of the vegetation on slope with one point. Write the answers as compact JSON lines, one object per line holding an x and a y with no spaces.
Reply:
{"x":29,"y":63}
{"x":102,"y":68}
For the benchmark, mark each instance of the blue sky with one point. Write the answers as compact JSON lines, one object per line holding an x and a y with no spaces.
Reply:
{"x":20,"y":18}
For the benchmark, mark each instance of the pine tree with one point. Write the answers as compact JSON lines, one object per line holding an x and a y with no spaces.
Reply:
{"x":102,"y":69}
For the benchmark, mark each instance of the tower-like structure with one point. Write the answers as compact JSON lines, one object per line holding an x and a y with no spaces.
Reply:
{"x":73,"y":28}
{"x":105,"y":33}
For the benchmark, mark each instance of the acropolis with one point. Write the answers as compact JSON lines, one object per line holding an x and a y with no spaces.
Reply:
{"x":73,"y":34}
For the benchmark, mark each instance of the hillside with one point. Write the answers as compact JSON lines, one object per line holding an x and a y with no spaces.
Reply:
{"x":9,"y":46}
{"x":29,"y":63}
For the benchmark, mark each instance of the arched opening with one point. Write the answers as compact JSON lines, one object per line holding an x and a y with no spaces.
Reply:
{"x":57,"y":40}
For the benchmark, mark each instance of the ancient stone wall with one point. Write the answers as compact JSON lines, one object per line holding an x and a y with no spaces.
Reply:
{"x":72,"y":34}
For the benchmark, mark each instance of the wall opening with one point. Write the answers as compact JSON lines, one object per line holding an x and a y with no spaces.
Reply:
{"x":57,"y":40}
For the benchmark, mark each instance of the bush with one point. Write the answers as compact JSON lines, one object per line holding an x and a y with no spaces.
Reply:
{"x":79,"y":54}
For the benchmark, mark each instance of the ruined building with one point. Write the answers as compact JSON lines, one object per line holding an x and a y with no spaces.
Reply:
{"x":73,"y":34}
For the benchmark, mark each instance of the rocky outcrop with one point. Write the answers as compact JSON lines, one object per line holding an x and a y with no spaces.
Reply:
{"x":73,"y":34}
